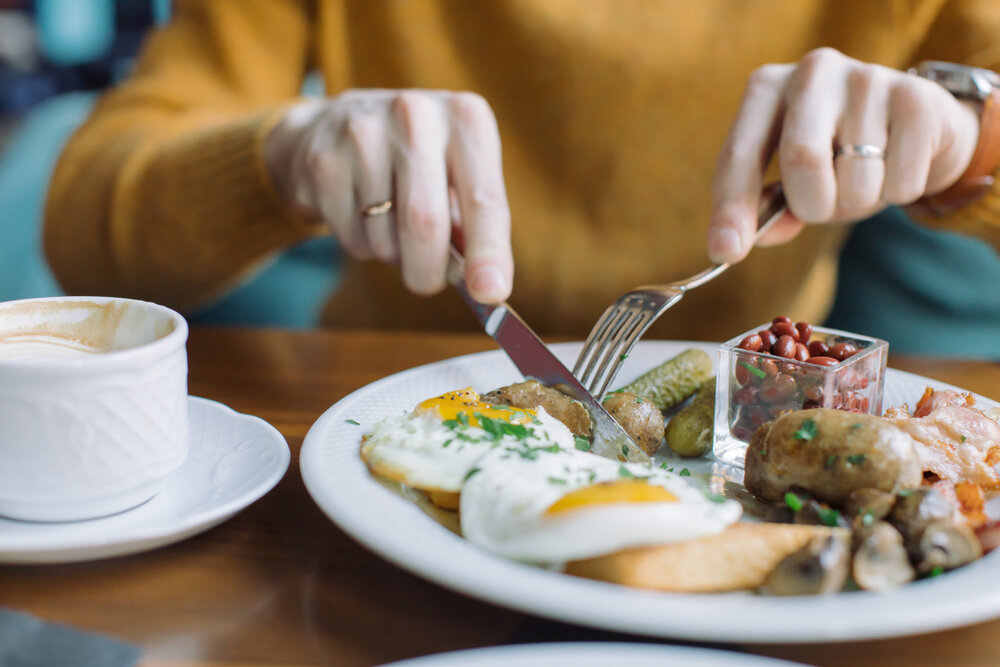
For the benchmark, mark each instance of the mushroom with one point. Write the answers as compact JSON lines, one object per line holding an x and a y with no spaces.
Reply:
{"x":819,"y":567}
{"x":945,"y":545}
{"x":880,"y":560}
{"x":814,"y":513}
{"x":915,"y":509}
{"x":873,"y":502}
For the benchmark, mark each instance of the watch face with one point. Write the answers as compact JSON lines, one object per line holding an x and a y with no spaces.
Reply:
{"x":960,"y":80}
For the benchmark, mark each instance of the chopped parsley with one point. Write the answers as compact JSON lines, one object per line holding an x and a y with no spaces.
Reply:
{"x":666,"y":467}
{"x":622,"y":357}
{"x":831,"y":459}
{"x":793,"y":502}
{"x":472,"y":471}
{"x":625,"y":472}
{"x":855,"y":427}
{"x":753,"y":369}
{"x":556,"y":480}
{"x":828,"y":516}
{"x":581,"y":443}
{"x":904,"y":493}
{"x":625,"y":450}
{"x":807,"y":431}
{"x":856,"y":459}
{"x":351,"y":421}
{"x":963,"y":438}
{"x":937,"y":570}
{"x":684,"y":472}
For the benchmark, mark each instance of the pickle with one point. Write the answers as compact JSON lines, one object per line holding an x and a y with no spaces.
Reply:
{"x":670,"y":383}
{"x":689,"y":432}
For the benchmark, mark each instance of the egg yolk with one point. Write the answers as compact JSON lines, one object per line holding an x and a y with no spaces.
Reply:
{"x":466,"y":402}
{"x":607,"y":493}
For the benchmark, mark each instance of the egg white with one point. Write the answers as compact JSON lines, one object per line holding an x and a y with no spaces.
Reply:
{"x":504,"y":502}
{"x":420,"y":450}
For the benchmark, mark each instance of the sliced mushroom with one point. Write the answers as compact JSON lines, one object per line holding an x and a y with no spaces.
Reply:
{"x":915,"y":509}
{"x":873,"y":502}
{"x":818,"y":568}
{"x":880,"y":560}
{"x":945,"y":545}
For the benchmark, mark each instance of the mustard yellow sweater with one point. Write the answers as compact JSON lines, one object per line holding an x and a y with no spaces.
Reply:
{"x":611,"y":114}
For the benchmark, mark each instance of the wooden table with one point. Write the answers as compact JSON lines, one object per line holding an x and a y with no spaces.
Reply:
{"x":279,"y":584}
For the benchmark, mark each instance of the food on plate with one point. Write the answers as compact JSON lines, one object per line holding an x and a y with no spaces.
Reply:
{"x":673,"y":381}
{"x":554,"y":505}
{"x":818,"y":568}
{"x":533,"y":394}
{"x":739,"y":558}
{"x":789,"y":366}
{"x":880,"y":561}
{"x":954,"y":441}
{"x":435,"y":447}
{"x":830,"y":453}
{"x":642,"y":420}
{"x":689,"y":432}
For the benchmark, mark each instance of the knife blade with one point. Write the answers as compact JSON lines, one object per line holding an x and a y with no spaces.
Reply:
{"x":536,"y":361}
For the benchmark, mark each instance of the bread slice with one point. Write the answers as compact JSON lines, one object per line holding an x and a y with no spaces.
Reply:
{"x":741,"y":557}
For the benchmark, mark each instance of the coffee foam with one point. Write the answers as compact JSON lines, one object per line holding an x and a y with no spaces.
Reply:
{"x":59,"y":329}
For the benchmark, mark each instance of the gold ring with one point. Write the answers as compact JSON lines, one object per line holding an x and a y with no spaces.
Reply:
{"x":380,"y":208}
{"x":860,"y":150}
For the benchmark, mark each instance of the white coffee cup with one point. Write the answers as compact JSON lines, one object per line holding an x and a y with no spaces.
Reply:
{"x":93,"y":405}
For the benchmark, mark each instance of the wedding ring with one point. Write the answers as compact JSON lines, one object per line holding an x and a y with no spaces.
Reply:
{"x":373,"y":210}
{"x":860,"y":150}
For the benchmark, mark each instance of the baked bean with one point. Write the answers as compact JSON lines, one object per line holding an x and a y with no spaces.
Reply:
{"x":781,"y":318}
{"x":753,"y":343}
{"x":842,"y":351}
{"x":741,"y":372}
{"x":805,"y":331}
{"x":769,"y":366}
{"x":818,"y":348}
{"x":823,"y":361}
{"x":767,"y":339}
{"x":780,"y":388}
{"x":801,"y":352}
{"x":745,"y":396}
{"x":785,"y":347}
{"x":813,"y":393}
{"x":785,"y":329}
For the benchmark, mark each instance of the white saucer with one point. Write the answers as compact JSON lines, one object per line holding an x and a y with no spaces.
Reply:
{"x":234,"y":459}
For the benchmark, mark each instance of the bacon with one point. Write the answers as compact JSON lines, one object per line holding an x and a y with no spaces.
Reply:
{"x":955,"y":441}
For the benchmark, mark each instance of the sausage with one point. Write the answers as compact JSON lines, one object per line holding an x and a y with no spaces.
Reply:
{"x":640,"y":418}
{"x":830,"y":453}
{"x":533,"y":394}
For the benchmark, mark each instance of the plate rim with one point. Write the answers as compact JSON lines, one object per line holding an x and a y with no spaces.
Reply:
{"x":836,"y":629}
{"x":145,"y":538}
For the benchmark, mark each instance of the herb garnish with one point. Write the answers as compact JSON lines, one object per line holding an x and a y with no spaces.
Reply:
{"x":351,"y":421}
{"x":556,"y":480}
{"x":581,"y":443}
{"x":753,"y":369}
{"x":856,"y":459}
{"x":828,"y":516}
{"x":807,"y":430}
{"x":936,"y":571}
{"x":831,"y":459}
{"x":472,"y":471}
{"x":684,"y":472}
{"x":793,"y":502}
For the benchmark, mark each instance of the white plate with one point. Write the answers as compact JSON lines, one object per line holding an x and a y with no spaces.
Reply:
{"x":234,"y":459}
{"x":592,"y":654}
{"x":401,"y":532}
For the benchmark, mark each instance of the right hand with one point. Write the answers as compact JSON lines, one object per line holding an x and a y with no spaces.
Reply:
{"x":435,"y":154}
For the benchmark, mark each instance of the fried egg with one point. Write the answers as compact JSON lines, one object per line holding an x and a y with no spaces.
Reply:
{"x":434,"y":447}
{"x":553,"y":506}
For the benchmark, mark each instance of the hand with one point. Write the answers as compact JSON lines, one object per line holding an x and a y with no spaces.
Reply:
{"x":435,"y":154}
{"x":807,"y":109}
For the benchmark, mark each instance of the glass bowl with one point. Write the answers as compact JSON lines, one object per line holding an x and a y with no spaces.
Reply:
{"x":755,"y":387}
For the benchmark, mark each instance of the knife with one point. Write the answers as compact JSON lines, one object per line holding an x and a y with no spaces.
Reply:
{"x":534,"y":360}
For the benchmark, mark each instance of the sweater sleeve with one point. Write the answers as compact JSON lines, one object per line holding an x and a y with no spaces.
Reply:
{"x":163,"y":194}
{"x":968,"y":32}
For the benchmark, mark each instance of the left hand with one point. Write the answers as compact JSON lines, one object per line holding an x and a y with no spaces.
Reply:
{"x":804,"y":111}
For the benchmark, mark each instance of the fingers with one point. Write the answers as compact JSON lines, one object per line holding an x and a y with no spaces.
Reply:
{"x":422,"y":206}
{"x":813,"y":98}
{"x":367,"y":141}
{"x":741,"y":164}
{"x":864,"y":122}
{"x":475,"y":167}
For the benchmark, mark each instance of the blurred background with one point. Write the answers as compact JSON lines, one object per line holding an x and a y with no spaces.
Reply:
{"x":926,"y":292}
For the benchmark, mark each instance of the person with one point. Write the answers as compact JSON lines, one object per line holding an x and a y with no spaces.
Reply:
{"x":596,"y":144}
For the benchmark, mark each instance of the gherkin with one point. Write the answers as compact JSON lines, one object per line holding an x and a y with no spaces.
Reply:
{"x":670,"y":383}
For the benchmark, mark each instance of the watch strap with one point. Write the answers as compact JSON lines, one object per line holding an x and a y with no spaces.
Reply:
{"x":979,"y":175}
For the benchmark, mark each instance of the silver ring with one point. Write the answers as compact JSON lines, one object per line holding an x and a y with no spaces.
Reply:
{"x":860,"y":150}
{"x":380,"y":208}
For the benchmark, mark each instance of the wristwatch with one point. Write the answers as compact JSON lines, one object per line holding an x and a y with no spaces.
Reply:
{"x":982,"y":86}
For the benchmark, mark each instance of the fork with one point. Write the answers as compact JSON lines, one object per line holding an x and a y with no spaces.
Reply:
{"x":625,"y":320}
